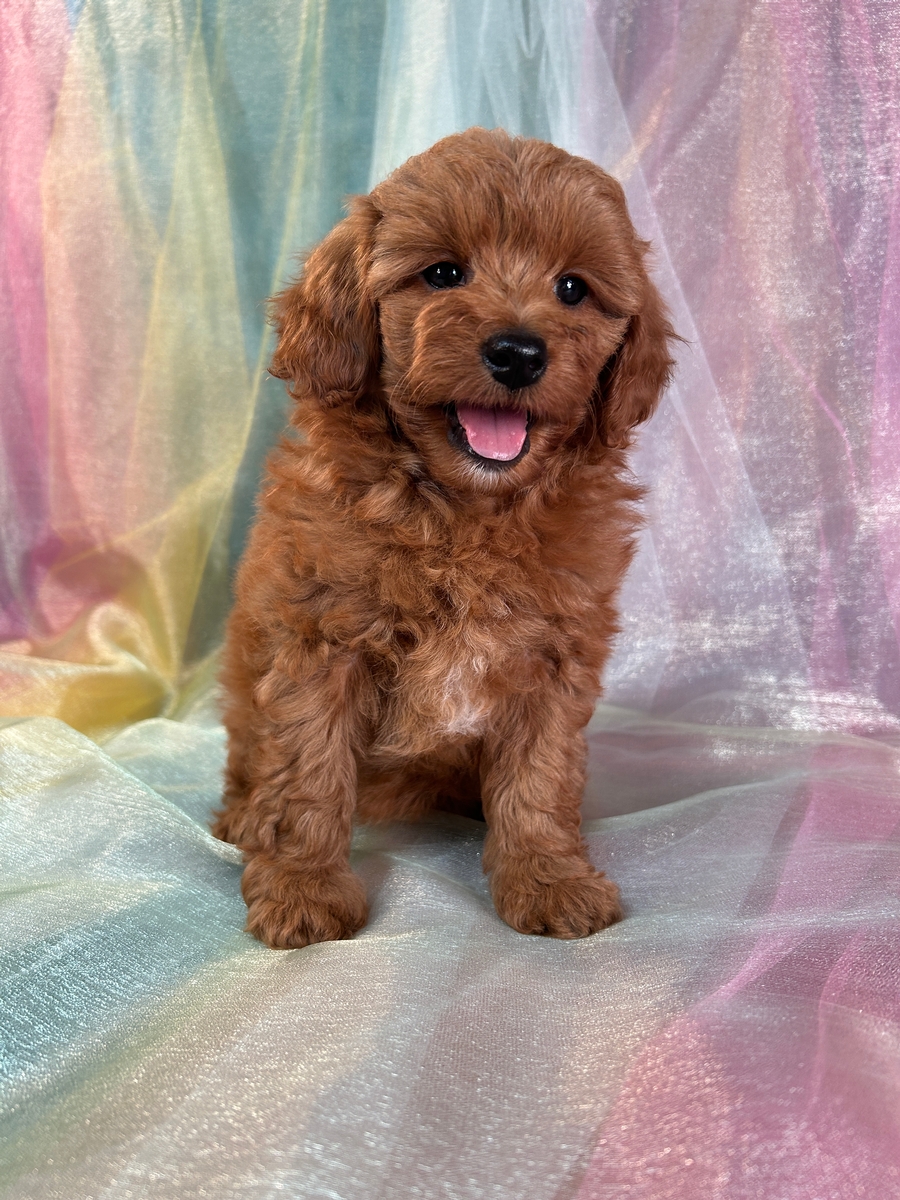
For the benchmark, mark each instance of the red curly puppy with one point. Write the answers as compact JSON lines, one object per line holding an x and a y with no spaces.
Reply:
{"x":428,"y":597}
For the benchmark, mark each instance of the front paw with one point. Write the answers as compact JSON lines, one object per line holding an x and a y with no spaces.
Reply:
{"x":288,"y":908}
{"x":564,"y":908}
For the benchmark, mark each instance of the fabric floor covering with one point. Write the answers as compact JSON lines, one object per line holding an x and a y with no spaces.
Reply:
{"x":734,"y":1036}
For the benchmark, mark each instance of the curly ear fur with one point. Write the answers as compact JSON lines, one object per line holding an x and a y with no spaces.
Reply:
{"x":326,"y":321}
{"x":635,"y":377}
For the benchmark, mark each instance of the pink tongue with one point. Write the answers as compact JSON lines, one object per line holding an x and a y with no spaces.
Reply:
{"x":493,"y":432}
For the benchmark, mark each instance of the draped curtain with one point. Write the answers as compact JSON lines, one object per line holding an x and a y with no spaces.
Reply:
{"x":161,"y":164}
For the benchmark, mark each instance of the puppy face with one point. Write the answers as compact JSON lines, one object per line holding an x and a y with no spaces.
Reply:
{"x":493,"y":292}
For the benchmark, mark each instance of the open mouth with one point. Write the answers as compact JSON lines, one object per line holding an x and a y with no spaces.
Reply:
{"x":495,"y":437}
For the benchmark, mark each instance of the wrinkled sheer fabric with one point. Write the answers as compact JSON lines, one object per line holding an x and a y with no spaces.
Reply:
{"x":737,"y":1034}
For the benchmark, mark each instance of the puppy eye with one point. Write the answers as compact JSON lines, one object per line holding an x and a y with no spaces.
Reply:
{"x":444,"y":275}
{"x":570,"y":289}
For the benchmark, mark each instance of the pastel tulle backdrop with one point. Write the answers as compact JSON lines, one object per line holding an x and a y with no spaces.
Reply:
{"x":162,"y":165}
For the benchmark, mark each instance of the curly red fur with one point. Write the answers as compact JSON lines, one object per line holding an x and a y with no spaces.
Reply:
{"x":415,"y":629}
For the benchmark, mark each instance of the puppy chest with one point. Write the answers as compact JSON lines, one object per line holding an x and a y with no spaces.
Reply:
{"x":439,"y":692}
{"x":453,"y":658}
{"x":462,"y":705}
{"x":447,"y":697}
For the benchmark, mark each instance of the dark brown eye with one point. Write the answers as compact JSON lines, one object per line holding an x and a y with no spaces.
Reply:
{"x":570,"y":289}
{"x":444,"y":275}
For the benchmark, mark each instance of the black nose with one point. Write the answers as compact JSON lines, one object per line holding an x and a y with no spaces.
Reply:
{"x":517,"y":360}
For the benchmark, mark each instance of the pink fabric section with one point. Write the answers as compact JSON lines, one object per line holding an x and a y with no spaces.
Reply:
{"x":775,"y":1082}
{"x":765,"y":167}
{"x":864,"y":229}
{"x":777,"y":1075}
{"x":33,"y":43}
{"x":886,"y":400}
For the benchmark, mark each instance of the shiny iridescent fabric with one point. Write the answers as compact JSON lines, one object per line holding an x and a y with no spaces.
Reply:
{"x":736,"y":1037}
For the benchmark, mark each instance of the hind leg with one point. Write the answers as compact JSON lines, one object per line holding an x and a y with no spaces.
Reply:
{"x":238,"y":717}
{"x":408,"y":790}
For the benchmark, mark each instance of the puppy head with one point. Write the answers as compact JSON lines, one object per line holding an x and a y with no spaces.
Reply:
{"x":492,"y":294}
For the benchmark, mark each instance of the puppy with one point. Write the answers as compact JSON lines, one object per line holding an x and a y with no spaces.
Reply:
{"x":428,"y":596}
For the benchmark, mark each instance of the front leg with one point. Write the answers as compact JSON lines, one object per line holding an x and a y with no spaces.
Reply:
{"x":292,"y":812}
{"x":533,"y":761}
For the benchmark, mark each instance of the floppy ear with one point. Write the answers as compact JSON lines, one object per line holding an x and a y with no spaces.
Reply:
{"x":327,"y":322}
{"x":635,"y":377}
